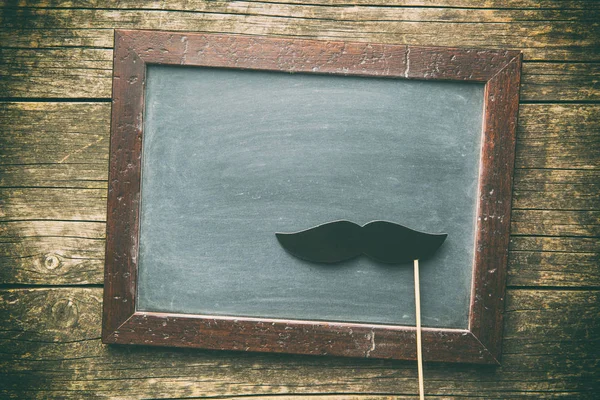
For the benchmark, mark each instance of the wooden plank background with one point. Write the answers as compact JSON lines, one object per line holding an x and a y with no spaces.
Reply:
{"x":55,"y":88}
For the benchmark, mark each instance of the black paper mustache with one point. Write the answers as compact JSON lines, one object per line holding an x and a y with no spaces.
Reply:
{"x":382,"y":241}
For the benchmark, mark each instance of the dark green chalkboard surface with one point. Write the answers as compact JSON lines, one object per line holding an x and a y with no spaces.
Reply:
{"x":231,"y":156}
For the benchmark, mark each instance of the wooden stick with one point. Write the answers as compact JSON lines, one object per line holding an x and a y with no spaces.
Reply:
{"x":418,"y":317}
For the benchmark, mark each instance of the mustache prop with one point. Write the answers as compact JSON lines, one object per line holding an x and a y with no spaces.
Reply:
{"x":382,"y":241}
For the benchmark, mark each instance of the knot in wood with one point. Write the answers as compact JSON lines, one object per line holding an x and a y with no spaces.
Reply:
{"x":65,"y":313}
{"x":51,"y":261}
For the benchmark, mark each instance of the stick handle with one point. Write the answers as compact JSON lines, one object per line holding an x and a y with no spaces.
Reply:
{"x":418,"y":318}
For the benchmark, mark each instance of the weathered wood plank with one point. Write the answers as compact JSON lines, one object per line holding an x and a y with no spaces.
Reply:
{"x":54,"y":133}
{"x":52,"y":252}
{"x":51,"y":349}
{"x":555,"y":244}
{"x":54,"y":145}
{"x":554,"y":261}
{"x":570,"y":153}
{"x":53,"y":204}
{"x":50,"y":73}
{"x":537,"y":121}
{"x":377,"y":11}
{"x":87,"y":73}
{"x":555,"y":223}
{"x":561,"y":81}
{"x":195,"y":5}
{"x":84,"y":176}
{"x":556,"y":189}
{"x":537,"y":268}
{"x":558,"y":136}
{"x":57,"y":38}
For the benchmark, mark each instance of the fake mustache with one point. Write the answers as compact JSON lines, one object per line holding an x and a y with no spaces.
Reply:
{"x":382,"y":241}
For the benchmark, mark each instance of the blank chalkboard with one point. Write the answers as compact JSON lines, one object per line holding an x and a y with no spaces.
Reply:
{"x":230,"y":157}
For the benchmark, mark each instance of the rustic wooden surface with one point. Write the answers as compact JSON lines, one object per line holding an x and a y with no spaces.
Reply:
{"x":55,"y":87}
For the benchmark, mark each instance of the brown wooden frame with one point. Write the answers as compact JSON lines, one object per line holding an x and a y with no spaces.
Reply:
{"x":480,"y":343}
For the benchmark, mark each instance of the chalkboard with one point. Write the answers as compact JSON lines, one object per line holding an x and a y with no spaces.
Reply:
{"x":230,"y":157}
{"x":218,"y":142}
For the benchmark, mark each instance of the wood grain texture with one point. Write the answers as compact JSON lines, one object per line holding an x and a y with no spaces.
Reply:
{"x":561,"y":82}
{"x":196,"y":5}
{"x":55,"y":133}
{"x":555,"y":244}
{"x":494,"y":205}
{"x":561,"y":34}
{"x":299,"y":337}
{"x":560,"y":223}
{"x":120,"y":265}
{"x":553,"y":268}
{"x":52,"y":252}
{"x":556,"y":189}
{"x":53,"y":204}
{"x":86,"y":73}
{"x":52,"y":350}
{"x":551,"y":336}
{"x":77,"y":72}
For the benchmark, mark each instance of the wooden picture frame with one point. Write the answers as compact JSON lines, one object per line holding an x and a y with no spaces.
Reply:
{"x":481,"y":343}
